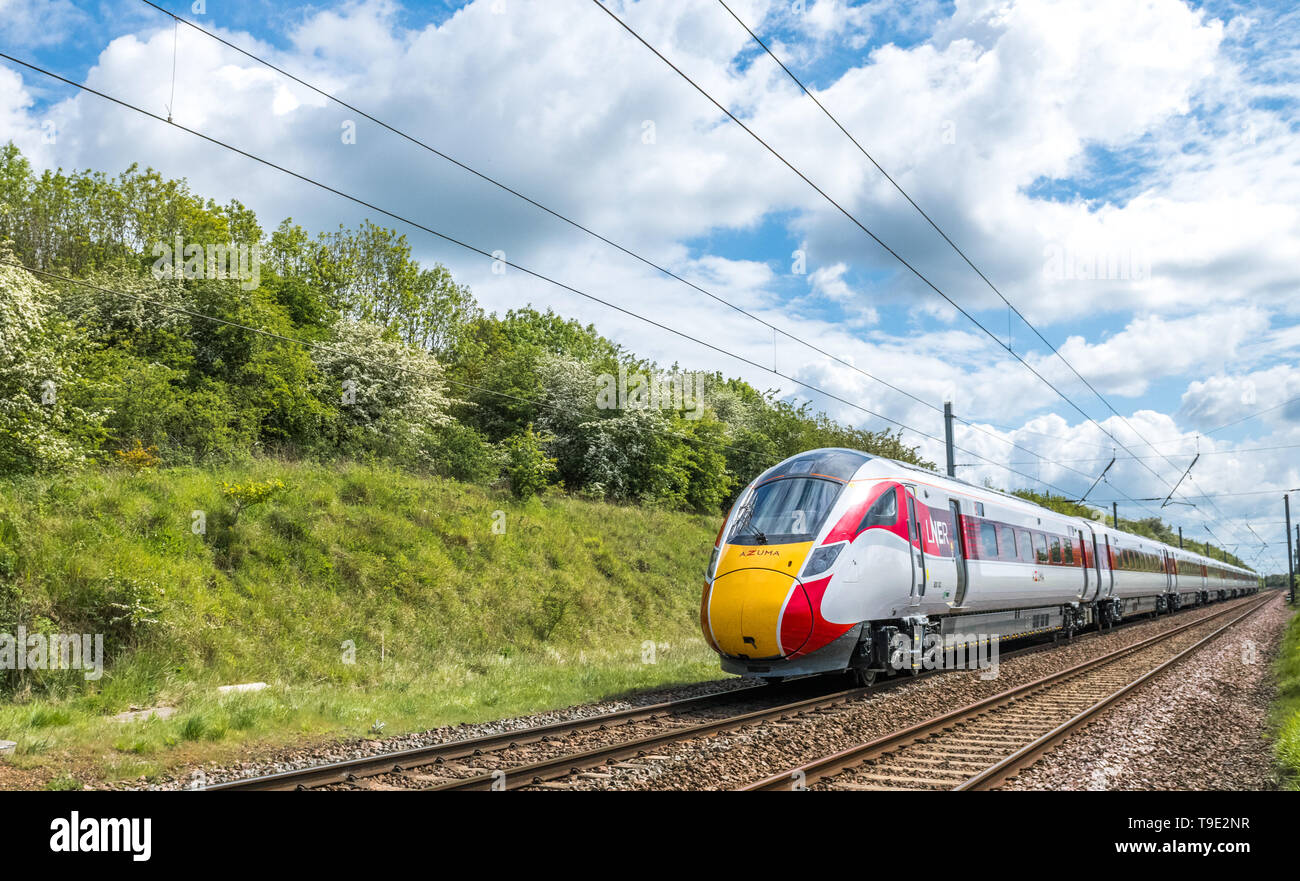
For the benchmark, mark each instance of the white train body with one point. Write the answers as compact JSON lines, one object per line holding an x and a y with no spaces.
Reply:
{"x":829,"y":556}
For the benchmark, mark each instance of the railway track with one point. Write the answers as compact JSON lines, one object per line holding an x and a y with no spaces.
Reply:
{"x":353,"y":770}
{"x":455,"y":765}
{"x":531,"y":757}
{"x":984,"y":744}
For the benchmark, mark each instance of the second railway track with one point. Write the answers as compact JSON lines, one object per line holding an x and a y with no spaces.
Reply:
{"x":986,"y":743}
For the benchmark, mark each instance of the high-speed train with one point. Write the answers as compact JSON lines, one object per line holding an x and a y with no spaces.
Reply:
{"x":831,"y":556}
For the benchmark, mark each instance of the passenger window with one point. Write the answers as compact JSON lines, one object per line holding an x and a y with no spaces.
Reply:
{"x":1006,"y":542}
{"x":883,"y":511}
{"x":1024,"y":546}
{"x":1068,"y":551}
{"x":1056,"y":549}
{"x":988,"y":541}
{"x":1040,"y":547}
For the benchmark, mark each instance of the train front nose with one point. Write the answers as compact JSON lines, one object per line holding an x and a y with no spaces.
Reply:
{"x":757,"y":611}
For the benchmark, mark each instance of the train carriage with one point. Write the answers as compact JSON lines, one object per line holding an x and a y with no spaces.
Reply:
{"x":831,"y":558}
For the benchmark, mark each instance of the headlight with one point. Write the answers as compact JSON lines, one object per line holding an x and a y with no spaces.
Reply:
{"x":713,"y":561}
{"x":822,"y":559}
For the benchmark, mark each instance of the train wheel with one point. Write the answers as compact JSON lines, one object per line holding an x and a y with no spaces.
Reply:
{"x":862,"y":678}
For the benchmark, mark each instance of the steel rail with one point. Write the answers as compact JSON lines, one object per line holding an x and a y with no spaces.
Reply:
{"x":369,"y":766}
{"x":830,"y":765}
{"x":561,"y":766}
{"x":397,"y":762}
{"x":996,"y":775}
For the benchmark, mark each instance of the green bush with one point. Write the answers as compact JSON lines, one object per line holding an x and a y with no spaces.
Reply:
{"x":461,"y":453}
{"x":252,"y":493}
{"x":527,"y":465}
{"x":154,"y":404}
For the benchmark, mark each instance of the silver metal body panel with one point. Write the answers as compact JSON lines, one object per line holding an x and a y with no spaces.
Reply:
{"x":876,"y":578}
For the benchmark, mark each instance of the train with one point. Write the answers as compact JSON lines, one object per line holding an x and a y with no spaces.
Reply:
{"x":838,"y":561}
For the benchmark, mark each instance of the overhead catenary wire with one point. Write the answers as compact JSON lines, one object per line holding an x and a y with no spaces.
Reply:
{"x":1010,"y":306}
{"x":178,"y":19}
{"x":983,"y":277}
{"x":532,"y":273}
{"x":852,"y":218}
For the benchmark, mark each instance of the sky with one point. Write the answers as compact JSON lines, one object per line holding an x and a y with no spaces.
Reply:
{"x":1122,"y":171}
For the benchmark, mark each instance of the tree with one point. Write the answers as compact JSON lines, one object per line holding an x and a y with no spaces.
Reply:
{"x":39,"y":428}
{"x":392,"y":399}
{"x":379,"y":282}
{"x":82,"y":221}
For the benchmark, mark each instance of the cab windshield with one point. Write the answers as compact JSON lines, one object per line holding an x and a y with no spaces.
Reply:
{"x":785,"y":510}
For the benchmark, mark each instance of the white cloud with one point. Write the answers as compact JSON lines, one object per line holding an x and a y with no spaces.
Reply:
{"x":1002,"y":94}
{"x":1152,"y":347}
{"x":829,"y":281}
{"x":28,"y":132}
{"x":38,"y":22}
{"x":1219,"y":400}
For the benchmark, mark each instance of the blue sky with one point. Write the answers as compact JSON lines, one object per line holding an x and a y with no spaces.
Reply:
{"x":1039,"y":135}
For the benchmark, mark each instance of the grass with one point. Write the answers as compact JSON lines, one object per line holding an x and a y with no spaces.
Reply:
{"x":1286,"y":711}
{"x":367,"y":598}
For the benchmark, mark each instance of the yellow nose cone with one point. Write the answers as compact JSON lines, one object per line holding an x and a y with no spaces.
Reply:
{"x":757,"y":610}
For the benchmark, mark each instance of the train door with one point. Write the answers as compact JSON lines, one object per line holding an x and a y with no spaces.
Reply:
{"x":959,"y":551}
{"x":1096,"y":560}
{"x":918,"y":554}
{"x":1110,"y":569}
{"x":1080,"y":546}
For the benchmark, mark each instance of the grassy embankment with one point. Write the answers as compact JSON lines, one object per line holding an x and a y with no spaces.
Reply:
{"x":1286,"y":712}
{"x":451,"y":621}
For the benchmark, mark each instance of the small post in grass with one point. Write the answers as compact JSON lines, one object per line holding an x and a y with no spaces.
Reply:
{"x":1290,"y":560}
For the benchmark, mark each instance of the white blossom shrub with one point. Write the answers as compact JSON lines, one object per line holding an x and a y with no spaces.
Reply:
{"x":391,"y":398}
{"x":38,"y":429}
